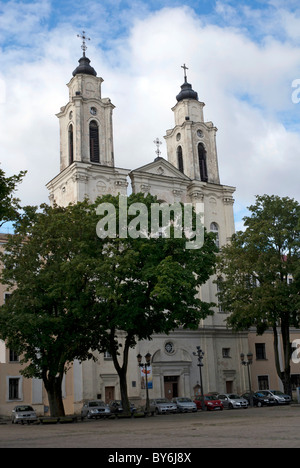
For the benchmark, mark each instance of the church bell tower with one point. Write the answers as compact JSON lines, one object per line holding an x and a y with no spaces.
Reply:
{"x":87,"y":167}
{"x":191,"y":143}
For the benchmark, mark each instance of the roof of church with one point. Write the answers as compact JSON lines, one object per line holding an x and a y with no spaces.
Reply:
{"x":84,"y":67}
{"x":187,"y":92}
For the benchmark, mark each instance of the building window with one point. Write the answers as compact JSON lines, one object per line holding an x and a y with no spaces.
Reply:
{"x":94,"y":142}
{"x":13,"y":388}
{"x":71,"y":145}
{"x":202,"y":162}
{"x":260,"y":349}
{"x":263,"y":382}
{"x":180,"y":159}
{"x":215,"y":229}
{"x":226,"y":352}
{"x":6,"y":297}
{"x":13,"y":357}
{"x":107,"y":355}
{"x":295,"y":381}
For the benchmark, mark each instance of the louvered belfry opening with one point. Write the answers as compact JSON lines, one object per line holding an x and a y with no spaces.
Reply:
{"x":180,"y":159}
{"x":71,"y":145}
{"x":202,"y":162}
{"x":94,"y":142}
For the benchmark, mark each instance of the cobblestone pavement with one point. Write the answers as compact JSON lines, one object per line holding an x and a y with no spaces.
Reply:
{"x":252,"y":428}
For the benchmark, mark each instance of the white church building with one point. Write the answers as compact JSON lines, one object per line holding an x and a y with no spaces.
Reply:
{"x":190,"y":174}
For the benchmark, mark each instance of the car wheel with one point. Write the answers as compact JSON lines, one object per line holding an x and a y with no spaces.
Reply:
{"x":230,"y":406}
{"x":156,"y":411}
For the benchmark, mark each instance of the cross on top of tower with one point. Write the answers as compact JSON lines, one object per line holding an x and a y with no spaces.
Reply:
{"x":84,"y":38}
{"x":185,"y":69}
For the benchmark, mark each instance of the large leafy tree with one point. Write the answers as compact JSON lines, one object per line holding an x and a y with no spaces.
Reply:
{"x":47,"y":319}
{"x":151,"y":286}
{"x":9,"y":204}
{"x":259,"y":271}
{"x":77,"y":293}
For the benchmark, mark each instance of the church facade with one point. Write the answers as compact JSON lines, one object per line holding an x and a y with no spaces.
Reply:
{"x":190,"y":174}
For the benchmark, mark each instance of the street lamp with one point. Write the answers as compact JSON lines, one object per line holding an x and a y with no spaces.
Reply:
{"x":248,"y":364}
{"x":144,"y":366}
{"x":200,"y":355}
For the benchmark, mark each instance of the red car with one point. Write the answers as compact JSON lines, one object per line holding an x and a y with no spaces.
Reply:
{"x":210,"y":401}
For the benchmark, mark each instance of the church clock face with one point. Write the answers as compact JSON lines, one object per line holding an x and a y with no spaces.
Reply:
{"x":93,"y":110}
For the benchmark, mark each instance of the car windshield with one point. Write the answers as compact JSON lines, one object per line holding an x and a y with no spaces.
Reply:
{"x":258,"y":394}
{"x":210,"y":397}
{"x":232,"y":396}
{"x":162,"y":400}
{"x":96,"y":403}
{"x":277,"y":392}
{"x":183,"y":400}
{"x":24,"y":408}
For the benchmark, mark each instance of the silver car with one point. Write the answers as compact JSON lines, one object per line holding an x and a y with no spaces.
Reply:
{"x":185,"y":405}
{"x":163,"y":406}
{"x":279,"y":397}
{"x":231,"y":400}
{"x":23,"y":413}
{"x":95,"y":409}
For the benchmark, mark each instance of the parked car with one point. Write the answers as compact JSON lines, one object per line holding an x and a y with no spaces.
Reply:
{"x":185,"y":405}
{"x":95,"y":409}
{"x":117,"y":408}
{"x":280,"y":398}
{"x":231,"y":400}
{"x":259,"y":399}
{"x":23,"y":413}
{"x":163,"y":406}
{"x":211,"y":402}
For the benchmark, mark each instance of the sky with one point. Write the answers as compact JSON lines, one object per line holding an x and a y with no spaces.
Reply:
{"x":243,"y":59}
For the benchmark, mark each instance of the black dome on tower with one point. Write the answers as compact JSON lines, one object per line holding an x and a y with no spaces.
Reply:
{"x":84,"y":67}
{"x":187,"y":92}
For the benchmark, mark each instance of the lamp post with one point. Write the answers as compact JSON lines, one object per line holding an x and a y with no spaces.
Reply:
{"x":144,"y":365}
{"x":248,"y":364}
{"x":200,"y":355}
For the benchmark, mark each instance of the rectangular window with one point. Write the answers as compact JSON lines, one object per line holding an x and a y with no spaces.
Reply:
{"x":226,"y":352}
{"x":13,"y":357}
{"x":13,"y":389}
{"x":260,"y":349}
{"x":263,"y":382}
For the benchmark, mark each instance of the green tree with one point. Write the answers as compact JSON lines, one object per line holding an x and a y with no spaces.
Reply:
{"x":9,"y":204}
{"x":255,"y":269}
{"x":150,"y":286}
{"x":47,"y":319}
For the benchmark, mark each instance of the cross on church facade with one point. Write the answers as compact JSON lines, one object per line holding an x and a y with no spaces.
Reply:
{"x":84,"y":38}
{"x":157,"y":143}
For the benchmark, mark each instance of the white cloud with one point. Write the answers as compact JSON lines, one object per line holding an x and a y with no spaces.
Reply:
{"x":245,"y":84}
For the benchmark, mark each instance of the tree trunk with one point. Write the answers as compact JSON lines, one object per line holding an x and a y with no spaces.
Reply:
{"x":122,"y":371}
{"x":54,"y":392}
{"x":284,"y":375}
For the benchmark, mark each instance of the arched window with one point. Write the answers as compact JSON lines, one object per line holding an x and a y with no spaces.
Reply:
{"x":180,"y":159}
{"x":202,"y":162}
{"x":215,"y":229}
{"x":71,"y":146}
{"x":94,"y":142}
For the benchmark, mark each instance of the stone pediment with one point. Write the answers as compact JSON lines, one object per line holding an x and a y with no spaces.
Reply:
{"x":160,"y":167}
